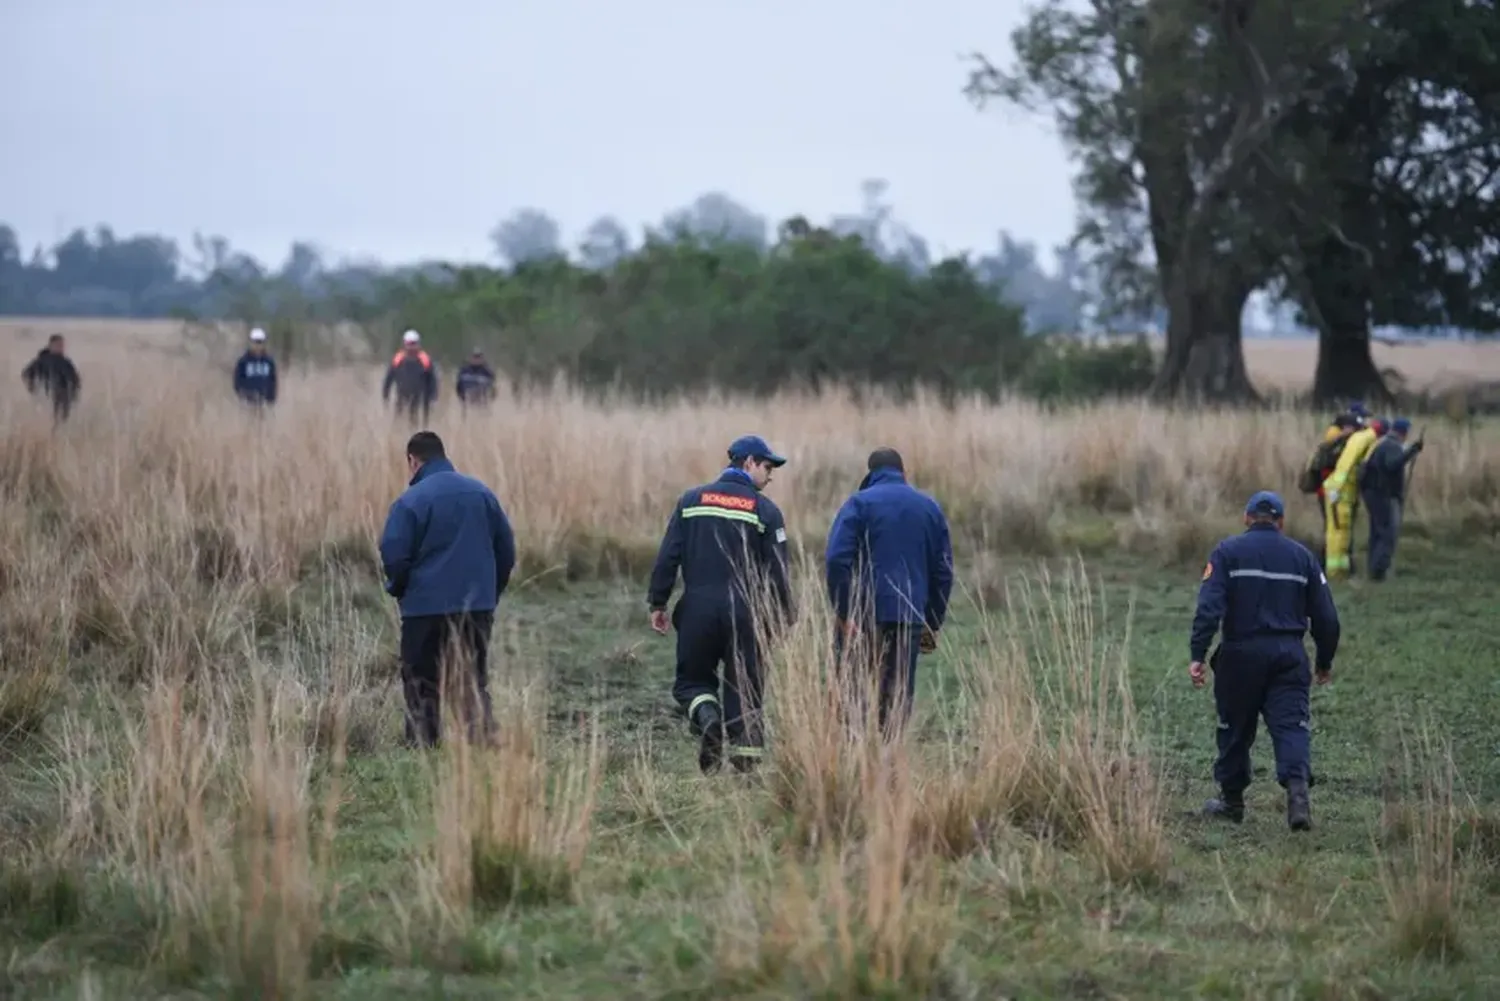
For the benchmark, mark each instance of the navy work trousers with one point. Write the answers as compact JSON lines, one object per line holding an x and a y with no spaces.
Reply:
{"x":1385,"y":526}
{"x":427,"y":644}
{"x":1268,"y":679}
{"x":892,"y":650}
{"x":714,"y":631}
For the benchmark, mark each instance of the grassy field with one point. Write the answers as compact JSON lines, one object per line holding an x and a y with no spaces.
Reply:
{"x":1274,"y":364}
{"x":204,"y":796}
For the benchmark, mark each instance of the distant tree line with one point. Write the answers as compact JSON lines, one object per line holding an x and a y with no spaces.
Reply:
{"x":712,"y":297}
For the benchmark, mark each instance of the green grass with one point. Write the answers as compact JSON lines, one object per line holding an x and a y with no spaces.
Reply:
{"x":666,"y":888}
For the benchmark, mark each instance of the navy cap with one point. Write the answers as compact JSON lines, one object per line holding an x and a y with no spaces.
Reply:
{"x":753,"y":446}
{"x":1266,"y":502}
{"x":1401,"y":425}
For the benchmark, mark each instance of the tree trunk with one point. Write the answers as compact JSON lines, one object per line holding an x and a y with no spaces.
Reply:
{"x":1339,"y":286}
{"x":1204,"y":362}
{"x":1346,"y":369}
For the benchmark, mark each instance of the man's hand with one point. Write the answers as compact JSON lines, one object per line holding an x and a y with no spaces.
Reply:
{"x":1323,"y":675}
{"x":928,"y":642}
{"x":1197,"y":673}
{"x":845,"y":628}
{"x":659,"y":621}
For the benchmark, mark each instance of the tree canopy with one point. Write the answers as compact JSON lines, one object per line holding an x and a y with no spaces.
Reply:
{"x":1340,"y":152}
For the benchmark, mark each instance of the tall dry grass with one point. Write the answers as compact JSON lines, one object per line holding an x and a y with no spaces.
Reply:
{"x":191,"y":479}
{"x":195,"y":658}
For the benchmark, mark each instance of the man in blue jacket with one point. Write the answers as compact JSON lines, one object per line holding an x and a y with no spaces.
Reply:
{"x":889,"y":567}
{"x":447,"y":551}
{"x":1263,"y":591}
{"x":255,"y":373}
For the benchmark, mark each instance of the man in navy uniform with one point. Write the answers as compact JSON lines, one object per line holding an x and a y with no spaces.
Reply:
{"x":255,"y":373}
{"x":729,"y":540}
{"x":1265,"y":591}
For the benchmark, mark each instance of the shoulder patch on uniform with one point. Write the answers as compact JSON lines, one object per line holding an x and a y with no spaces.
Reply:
{"x":731,"y":501}
{"x":1208,"y":569}
{"x":781,"y":535}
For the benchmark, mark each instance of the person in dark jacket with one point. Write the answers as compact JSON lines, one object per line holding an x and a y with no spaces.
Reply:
{"x":52,"y":372}
{"x":729,"y":541}
{"x":476,"y":381}
{"x":412,"y":375}
{"x":1382,"y":486}
{"x":255,"y":372}
{"x":447,"y":551}
{"x":889,"y":568}
{"x":1265,"y":591}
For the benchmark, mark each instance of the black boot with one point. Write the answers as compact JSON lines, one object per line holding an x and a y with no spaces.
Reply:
{"x":744,"y":763}
{"x":1230,"y":807}
{"x":710,"y":723}
{"x":1298,"y":810}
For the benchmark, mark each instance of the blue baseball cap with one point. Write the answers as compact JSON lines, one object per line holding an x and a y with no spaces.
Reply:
{"x":1359,"y":409}
{"x":753,"y":446}
{"x":1266,"y":502}
{"x":1401,"y":425}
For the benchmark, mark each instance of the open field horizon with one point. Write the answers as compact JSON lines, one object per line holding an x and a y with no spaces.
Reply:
{"x":207,"y":795}
{"x":1275,"y":364}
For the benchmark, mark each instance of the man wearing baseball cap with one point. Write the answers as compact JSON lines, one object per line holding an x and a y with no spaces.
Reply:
{"x":255,"y":373}
{"x":729,"y":541}
{"x":412,"y":375}
{"x":1262,"y":591}
{"x":1382,"y":487}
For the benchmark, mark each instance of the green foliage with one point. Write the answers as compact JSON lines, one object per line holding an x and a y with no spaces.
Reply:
{"x":1068,"y":370}
{"x":686,"y":314}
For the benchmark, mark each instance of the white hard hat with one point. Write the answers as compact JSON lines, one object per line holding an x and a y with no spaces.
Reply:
{"x":411,"y":337}
{"x":257,"y":334}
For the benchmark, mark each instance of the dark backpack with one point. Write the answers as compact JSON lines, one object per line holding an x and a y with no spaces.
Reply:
{"x":1324,"y":457}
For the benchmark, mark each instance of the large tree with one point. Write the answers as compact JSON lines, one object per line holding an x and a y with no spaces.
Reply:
{"x":1166,"y":104}
{"x":1378,"y":205}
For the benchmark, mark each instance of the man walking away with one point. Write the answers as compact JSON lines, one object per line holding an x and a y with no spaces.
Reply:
{"x":889,"y":551}
{"x":1322,"y":464}
{"x":1341,"y":499}
{"x":729,"y":540}
{"x":411,"y":374}
{"x":476,"y":382}
{"x":448,"y":552}
{"x":255,"y":373}
{"x":1265,"y":590}
{"x":1382,"y":486}
{"x":52,"y":372}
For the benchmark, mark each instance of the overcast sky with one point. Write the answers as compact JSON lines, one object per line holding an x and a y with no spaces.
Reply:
{"x":400,"y":129}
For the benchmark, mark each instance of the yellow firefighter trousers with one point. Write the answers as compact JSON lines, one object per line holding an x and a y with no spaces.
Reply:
{"x":1339,"y":535}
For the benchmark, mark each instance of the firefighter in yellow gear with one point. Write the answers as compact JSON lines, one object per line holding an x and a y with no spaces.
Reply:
{"x":1341,"y":499}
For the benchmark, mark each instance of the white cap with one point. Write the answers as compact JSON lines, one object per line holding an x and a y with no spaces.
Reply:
{"x":257,"y":334}
{"x":411,"y":337}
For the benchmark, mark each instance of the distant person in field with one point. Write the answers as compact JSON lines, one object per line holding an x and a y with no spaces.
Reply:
{"x":889,"y":569}
{"x":412,"y":376}
{"x":1382,"y":487}
{"x":448,"y":552}
{"x":255,"y":372}
{"x":1341,"y":498}
{"x":1262,"y":591}
{"x":52,"y":373}
{"x":729,"y":540}
{"x":1321,"y":465}
{"x":476,"y":381}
